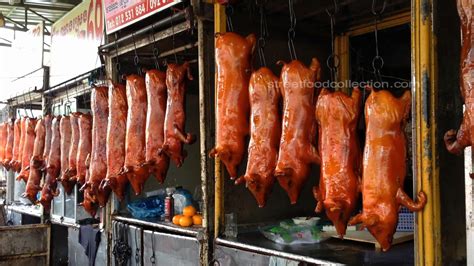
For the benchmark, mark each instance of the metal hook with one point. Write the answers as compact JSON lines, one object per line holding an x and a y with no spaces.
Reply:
{"x":379,"y":12}
{"x":292,"y":31}
{"x":229,"y":11}
{"x":24,"y":105}
{"x":136,"y":59}
{"x":263,"y":34}
{"x":117,"y":62}
{"x":173,"y":37}
{"x":155,"y":48}
{"x":31,"y":103}
{"x":336,"y":9}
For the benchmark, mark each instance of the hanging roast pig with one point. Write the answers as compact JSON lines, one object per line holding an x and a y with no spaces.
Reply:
{"x":98,"y":157}
{"x":175,"y":117}
{"x":9,"y":144}
{"x":84,"y":147}
{"x":71,"y":172}
{"x":233,"y":62}
{"x":384,"y":166}
{"x":456,"y":141}
{"x":155,"y":122}
{"x":36,"y":163}
{"x":66,"y":132}
{"x":337,"y":115}
{"x":28,"y":145}
{"x":135,"y":147}
{"x":16,"y":144}
{"x":297,"y":150}
{"x":53,"y":169}
{"x":265,"y":133}
{"x":116,"y":132}
{"x":3,"y":140}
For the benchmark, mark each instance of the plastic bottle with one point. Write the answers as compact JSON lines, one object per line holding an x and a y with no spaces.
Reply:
{"x":169,"y":204}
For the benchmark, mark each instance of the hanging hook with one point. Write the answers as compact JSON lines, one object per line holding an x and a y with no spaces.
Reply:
{"x":24,"y":105}
{"x":377,"y":61}
{"x":229,"y":12}
{"x":263,"y":33}
{"x":117,"y":61}
{"x":292,"y":31}
{"x":31,"y":103}
{"x":136,"y":59}
{"x":173,"y":37}
{"x":381,"y":10}
{"x":336,"y":9}
{"x":67,"y":104}
{"x":333,"y":61}
{"x":155,"y":48}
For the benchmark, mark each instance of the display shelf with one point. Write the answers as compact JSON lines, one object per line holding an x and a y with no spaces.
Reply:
{"x":331,"y":251}
{"x":26,"y":209}
{"x":193,"y":231}
{"x":64,"y":221}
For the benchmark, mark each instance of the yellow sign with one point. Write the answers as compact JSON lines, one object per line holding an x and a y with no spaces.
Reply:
{"x":75,"y":41}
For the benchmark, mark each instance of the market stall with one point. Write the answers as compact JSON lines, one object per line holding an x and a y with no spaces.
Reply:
{"x":369,"y":41}
{"x":168,"y":41}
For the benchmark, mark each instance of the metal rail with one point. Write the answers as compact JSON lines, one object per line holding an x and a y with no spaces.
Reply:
{"x":179,"y":17}
{"x":271,"y":252}
{"x":192,"y":231}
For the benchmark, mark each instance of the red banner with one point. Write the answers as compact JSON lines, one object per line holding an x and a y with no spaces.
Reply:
{"x":122,"y":13}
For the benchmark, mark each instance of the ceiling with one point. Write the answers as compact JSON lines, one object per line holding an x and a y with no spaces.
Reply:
{"x":22,"y":14}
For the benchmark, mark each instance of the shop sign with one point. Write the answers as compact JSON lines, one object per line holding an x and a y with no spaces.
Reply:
{"x":122,"y":13}
{"x":28,"y":51}
{"x":75,"y":41}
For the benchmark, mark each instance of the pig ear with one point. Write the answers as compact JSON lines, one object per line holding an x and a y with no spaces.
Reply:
{"x":406,"y":103}
{"x":188,"y":70}
{"x":324,"y":91}
{"x":252,"y":40}
{"x":316,"y":68}
{"x":356,"y":96}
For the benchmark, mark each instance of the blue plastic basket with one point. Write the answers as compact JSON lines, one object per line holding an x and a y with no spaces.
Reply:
{"x":406,"y":220}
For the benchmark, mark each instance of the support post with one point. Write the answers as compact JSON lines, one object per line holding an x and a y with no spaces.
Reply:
{"x":219,"y":26}
{"x":426,"y":169}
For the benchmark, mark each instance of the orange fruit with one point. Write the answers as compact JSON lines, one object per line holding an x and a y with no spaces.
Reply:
{"x":176,"y":219}
{"x":189,"y":211}
{"x":197,"y":219}
{"x":185,"y":221}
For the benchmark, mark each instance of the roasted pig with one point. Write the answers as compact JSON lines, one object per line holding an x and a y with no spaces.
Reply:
{"x":66,"y":132}
{"x":36,"y":163}
{"x":297,"y":150}
{"x":175,"y":118}
{"x":116,"y":132}
{"x":53,"y":169}
{"x":265,"y":133}
{"x":337,"y":115}
{"x":28,"y":145}
{"x":84,"y":147}
{"x":233,"y":61}
{"x":456,"y":141}
{"x":135,"y":147}
{"x":384,"y":166}
{"x":155,"y":121}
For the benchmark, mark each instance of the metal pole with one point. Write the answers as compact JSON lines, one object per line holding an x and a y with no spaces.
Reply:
{"x":426,"y":169}
{"x":219,"y":26}
{"x":205,"y":59}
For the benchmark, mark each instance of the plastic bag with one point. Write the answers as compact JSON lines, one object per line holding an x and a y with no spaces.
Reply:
{"x":289,"y":233}
{"x":182,"y":198}
{"x":152,"y":207}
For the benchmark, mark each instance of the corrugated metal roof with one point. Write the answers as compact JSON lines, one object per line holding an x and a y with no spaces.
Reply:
{"x":29,"y":13}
